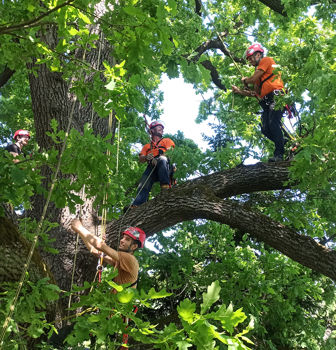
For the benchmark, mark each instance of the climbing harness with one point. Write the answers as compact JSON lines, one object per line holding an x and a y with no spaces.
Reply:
{"x":267,"y":102}
{"x":171,"y":166}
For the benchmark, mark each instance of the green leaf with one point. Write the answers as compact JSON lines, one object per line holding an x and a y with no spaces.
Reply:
{"x":83,"y":17}
{"x":211,"y":296}
{"x":94,"y":318}
{"x":73,"y":31}
{"x":116,"y":286}
{"x":186,"y":310}
{"x":126,"y":295}
{"x":111,"y":85}
{"x":228,"y":317}
{"x":183,"y":345}
{"x":152,"y":294}
{"x":203,"y":337}
{"x":133,"y":11}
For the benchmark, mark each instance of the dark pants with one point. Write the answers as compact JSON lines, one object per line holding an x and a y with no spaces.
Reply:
{"x":271,"y":127}
{"x":160,"y":173}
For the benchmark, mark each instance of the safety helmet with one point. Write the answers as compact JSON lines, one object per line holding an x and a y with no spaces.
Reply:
{"x":137,"y":234}
{"x":155,"y":123}
{"x":21,"y":132}
{"x":252,"y":49}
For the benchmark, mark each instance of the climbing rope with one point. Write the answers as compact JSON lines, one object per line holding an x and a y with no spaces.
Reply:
{"x":76,"y":252}
{"x":100,"y":265}
{"x":97,"y":66}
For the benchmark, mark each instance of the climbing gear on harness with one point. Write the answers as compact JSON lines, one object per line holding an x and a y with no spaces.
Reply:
{"x":21,"y":132}
{"x":291,"y":111}
{"x":252,"y":49}
{"x":137,"y":234}
{"x":172,"y":169}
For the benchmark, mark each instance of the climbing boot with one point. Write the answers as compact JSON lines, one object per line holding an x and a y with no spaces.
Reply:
{"x":164,"y":187}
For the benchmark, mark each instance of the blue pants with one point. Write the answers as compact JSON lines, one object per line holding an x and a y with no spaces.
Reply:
{"x":160,"y":173}
{"x":271,"y":128}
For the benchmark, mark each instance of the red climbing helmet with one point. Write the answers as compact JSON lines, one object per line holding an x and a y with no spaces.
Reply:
{"x":252,"y":49}
{"x":155,"y":123}
{"x":137,"y":234}
{"x":21,"y":132}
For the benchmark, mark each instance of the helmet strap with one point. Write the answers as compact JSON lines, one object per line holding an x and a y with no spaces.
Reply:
{"x":261,"y":56}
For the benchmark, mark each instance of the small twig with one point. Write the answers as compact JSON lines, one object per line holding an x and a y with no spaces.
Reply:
{"x":5,"y":28}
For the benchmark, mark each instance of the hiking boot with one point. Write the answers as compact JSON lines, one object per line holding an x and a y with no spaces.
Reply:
{"x":276,"y":159}
{"x":164,"y":187}
{"x":128,"y":207}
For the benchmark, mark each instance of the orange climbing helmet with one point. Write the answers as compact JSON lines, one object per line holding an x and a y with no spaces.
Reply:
{"x":137,"y":234}
{"x":21,"y":132}
{"x":155,"y":123}
{"x":253,"y":49}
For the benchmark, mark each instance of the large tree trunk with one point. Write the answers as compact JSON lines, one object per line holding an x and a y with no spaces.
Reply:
{"x":51,"y":99}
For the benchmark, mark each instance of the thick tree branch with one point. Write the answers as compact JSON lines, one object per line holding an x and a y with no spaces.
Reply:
{"x":276,"y":6}
{"x":5,"y":76}
{"x":214,"y":74}
{"x":214,"y":44}
{"x":198,"y":7}
{"x":204,"y":198}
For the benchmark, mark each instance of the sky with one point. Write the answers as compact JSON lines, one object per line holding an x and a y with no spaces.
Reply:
{"x":180,"y":109}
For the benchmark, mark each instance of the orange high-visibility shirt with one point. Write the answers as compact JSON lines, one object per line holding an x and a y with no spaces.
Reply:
{"x":274,"y":83}
{"x":154,"y":148}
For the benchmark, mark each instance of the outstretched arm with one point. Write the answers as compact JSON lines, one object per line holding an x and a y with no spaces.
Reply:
{"x":248,"y":93}
{"x":93,"y":243}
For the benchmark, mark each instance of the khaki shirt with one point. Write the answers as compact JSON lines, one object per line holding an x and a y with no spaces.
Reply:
{"x":128,"y":268}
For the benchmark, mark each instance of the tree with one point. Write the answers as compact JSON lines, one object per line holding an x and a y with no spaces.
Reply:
{"x":92,"y":66}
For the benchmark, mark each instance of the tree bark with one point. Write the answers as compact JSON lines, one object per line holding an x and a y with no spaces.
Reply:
{"x":14,"y":251}
{"x":276,"y":6}
{"x":51,"y":99}
{"x":6,"y":74}
{"x":205,"y":198}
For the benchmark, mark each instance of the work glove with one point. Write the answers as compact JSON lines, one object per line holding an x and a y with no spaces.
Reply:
{"x":154,"y":161}
{"x":149,"y":157}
